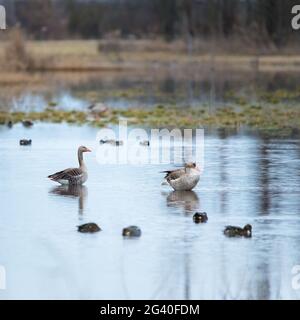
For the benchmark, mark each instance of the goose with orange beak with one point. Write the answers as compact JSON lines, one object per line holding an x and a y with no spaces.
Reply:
{"x":73,"y":176}
{"x":184,"y":179}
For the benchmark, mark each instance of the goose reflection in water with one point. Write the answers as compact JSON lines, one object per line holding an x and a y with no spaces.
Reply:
{"x":73,"y":191}
{"x":188,"y":200}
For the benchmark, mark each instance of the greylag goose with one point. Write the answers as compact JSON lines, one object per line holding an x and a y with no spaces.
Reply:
{"x":231,"y":231}
{"x":73,"y":176}
{"x":184,"y":179}
{"x":98,"y":108}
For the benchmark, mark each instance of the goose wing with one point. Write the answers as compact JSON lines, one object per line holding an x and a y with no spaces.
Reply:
{"x":70,"y":174}
{"x":174,"y":174}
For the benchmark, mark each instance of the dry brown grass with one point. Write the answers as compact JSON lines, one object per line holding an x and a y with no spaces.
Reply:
{"x":15,"y":56}
{"x":116,"y":55}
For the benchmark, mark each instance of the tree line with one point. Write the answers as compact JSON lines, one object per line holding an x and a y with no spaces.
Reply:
{"x":171,"y":19}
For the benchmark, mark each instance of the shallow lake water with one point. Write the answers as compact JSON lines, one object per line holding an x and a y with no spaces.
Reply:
{"x":245,"y":179}
{"x":133,"y":89}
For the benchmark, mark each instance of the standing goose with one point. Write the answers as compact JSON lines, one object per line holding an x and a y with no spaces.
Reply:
{"x":184,"y":179}
{"x":73,"y":176}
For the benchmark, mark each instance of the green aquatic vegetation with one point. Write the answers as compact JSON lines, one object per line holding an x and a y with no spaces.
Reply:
{"x":259,"y":117}
{"x":279,"y":95}
{"x":52,"y":104}
{"x":3,"y":118}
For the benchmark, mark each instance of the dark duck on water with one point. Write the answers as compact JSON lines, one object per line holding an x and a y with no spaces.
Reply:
{"x":231,"y":231}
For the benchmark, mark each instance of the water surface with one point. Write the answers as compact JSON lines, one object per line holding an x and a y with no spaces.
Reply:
{"x":246,"y":179}
{"x":199,"y":86}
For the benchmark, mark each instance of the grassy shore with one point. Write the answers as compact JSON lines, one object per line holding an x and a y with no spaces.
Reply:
{"x":272,"y":120}
{"x":85,"y":57}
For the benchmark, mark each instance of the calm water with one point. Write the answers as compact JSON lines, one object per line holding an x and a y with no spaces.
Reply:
{"x":246,"y":179}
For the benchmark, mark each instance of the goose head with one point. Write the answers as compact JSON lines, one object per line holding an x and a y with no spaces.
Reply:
{"x":83,"y":149}
{"x":191,"y":165}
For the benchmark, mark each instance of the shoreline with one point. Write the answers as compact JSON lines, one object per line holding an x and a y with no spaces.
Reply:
{"x":271,"y":120}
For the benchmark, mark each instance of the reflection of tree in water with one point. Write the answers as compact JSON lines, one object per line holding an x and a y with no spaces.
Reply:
{"x":76,"y":191}
{"x":176,"y":271}
{"x":264,"y":169}
{"x":175,"y":277}
{"x":223,"y":163}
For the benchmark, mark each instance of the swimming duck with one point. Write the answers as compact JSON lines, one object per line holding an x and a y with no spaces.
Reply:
{"x":112,"y":142}
{"x":9,"y":124}
{"x":231,"y":231}
{"x":184,"y":179}
{"x":200,"y":217}
{"x":89,"y":228}
{"x":25,"y":142}
{"x":27,"y":123}
{"x":145,"y":143}
{"x":73,"y":176}
{"x":132,"y":231}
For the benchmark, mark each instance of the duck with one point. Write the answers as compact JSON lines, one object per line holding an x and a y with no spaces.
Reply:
{"x":73,"y":176}
{"x":89,"y":228}
{"x":112,"y":142}
{"x":200,"y":217}
{"x":25,"y":142}
{"x":27,"y":123}
{"x":231,"y":231}
{"x":184,"y":179}
{"x":132,"y":231}
{"x":9,"y":124}
{"x":145,"y":143}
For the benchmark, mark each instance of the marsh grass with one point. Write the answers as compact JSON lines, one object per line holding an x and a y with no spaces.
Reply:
{"x":275,"y":120}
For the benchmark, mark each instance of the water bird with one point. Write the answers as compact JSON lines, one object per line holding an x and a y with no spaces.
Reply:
{"x":132,"y":231}
{"x":200,"y":217}
{"x":231,"y":231}
{"x":89,"y":228}
{"x":184,"y":179}
{"x":112,"y":142}
{"x":27,"y":123}
{"x":145,"y":143}
{"x":73,"y":176}
{"x":9,"y":124}
{"x":25,"y":142}
{"x":98,"y":108}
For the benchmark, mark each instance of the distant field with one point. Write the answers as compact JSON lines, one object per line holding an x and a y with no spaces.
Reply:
{"x":92,"y":55}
